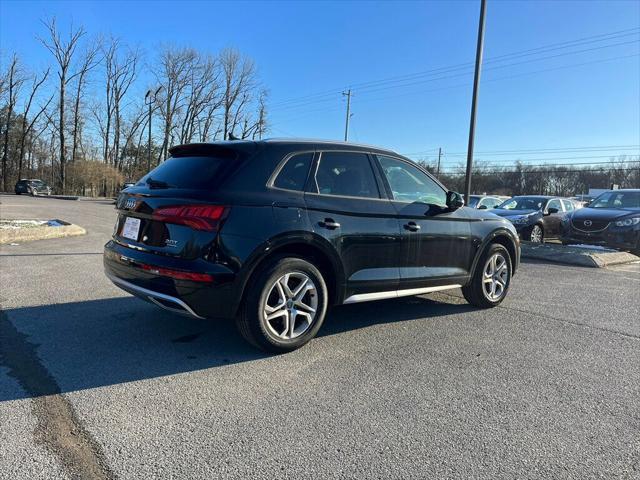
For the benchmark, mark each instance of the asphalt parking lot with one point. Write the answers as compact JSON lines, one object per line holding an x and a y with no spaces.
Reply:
{"x":95,"y":383}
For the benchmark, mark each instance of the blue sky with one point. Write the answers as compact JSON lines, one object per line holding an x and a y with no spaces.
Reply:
{"x":582,"y":96}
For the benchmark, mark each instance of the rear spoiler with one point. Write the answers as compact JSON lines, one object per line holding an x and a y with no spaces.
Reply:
{"x":230,"y":150}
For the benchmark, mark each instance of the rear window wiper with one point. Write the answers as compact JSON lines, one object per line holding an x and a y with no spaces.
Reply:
{"x":157,"y":183}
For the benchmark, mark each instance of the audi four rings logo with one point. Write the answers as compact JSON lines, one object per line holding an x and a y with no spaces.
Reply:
{"x":588,"y":223}
{"x":130,"y":203}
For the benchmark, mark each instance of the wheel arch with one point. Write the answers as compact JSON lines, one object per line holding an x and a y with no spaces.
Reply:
{"x":308,"y":247}
{"x":507,"y":240}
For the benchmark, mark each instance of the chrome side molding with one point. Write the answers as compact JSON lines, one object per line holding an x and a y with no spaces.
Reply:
{"x":368,"y":297}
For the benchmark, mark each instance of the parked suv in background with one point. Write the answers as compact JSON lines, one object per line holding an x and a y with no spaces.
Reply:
{"x":32,"y":187}
{"x":536,"y":217}
{"x":274,"y":232}
{"x":612,"y":220}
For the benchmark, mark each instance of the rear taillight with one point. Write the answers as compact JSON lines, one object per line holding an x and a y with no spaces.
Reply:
{"x":177,"y":274}
{"x":198,"y":217}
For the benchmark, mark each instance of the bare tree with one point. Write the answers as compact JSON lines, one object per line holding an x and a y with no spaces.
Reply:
{"x":14,"y":81}
{"x":89,"y":61}
{"x":204,"y":96}
{"x":239,"y":76}
{"x":63,"y":50}
{"x":174,"y":75}
{"x":121,"y":71}
{"x":28,"y":123}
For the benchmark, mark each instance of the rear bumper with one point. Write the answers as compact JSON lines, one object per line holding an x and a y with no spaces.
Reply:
{"x":167,"y":302}
{"x":215,"y":299}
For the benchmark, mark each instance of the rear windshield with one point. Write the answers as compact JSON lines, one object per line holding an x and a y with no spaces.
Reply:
{"x":198,"y":173}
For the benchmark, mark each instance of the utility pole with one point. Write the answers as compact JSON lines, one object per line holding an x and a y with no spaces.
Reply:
{"x":150,"y":99}
{"x":474,"y":99}
{"x":439,"y":156}
{"x":346,"y":126}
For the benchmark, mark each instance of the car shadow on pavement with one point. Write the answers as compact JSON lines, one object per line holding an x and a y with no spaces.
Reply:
{"x":59,"y":348}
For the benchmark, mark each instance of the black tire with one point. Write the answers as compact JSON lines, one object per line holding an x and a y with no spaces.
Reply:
{"x":252,"y":323}
{"x":530,"y":234}
{"x":474,"y":292}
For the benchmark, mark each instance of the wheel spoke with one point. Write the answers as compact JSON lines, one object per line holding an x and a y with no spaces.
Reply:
{"x":276,"y":314}
{"x":303,"y":307}
{"x":284,"y":283}
{"x":301,"y":289}
{"x":292,"y":323}
{"x":306,"y":315}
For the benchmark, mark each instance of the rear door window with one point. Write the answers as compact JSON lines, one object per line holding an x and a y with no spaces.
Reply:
{"x":293,"y":174}
{"x":346,"y":174}
{"x":197,"y":173}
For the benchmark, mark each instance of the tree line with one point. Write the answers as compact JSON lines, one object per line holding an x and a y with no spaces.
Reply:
{"x":82,"y":123}
{"x":549,"y":179}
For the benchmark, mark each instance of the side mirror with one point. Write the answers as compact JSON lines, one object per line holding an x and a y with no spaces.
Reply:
{"x":552,"y":210}
{"x":482,"y":207}
{"x":454,"y":200}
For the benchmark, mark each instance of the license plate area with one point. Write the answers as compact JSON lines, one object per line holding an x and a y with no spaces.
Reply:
{"x":131,"y":228}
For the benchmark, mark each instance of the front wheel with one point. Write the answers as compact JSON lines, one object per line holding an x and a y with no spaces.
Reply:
{"x":491,"y":278}
{"x":285,"y":305}
{"x":536,"y":235}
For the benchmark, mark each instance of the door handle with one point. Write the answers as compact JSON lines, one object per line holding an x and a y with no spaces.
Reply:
{"x":412,"y":226}
{"x":329,"y":223}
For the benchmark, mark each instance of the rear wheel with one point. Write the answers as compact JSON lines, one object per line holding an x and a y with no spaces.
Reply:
{"x":536,"y":235}
{"x":285,"y":305}
{"x":491,"y":279}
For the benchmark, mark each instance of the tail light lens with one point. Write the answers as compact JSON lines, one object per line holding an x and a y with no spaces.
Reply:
{"x":178,"y":274}
{"x":198,"y":217}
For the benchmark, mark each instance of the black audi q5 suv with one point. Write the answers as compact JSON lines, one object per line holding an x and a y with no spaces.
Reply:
{"x":271,"y":233}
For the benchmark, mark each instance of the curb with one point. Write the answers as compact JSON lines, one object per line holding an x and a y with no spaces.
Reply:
{"x":40,"y":233}
{"x":582,"y":257}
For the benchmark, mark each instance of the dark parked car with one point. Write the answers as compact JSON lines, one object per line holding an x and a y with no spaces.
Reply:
{"x":484,"y":202}
{"x":274,"y":232}
{"x":612,"y":219}
{"x":32,"y":187}
{"x":536,"y":217}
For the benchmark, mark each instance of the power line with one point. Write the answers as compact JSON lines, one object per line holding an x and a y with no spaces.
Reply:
{"x":465,"y":85}
{"x":570,"y":170}
{"x":437,"y":71}
{"x":535,"y":150}
{"x":480,"y":167}
{"x":492,"y":68}
{"x":367,"y":90}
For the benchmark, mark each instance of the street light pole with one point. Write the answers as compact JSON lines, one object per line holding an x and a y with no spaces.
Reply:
{"x":474,"y":99}
{"x":150,"y":99}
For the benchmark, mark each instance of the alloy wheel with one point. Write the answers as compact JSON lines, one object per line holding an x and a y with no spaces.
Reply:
{"x":536,"y":234}
{"x":495,"y":277}
{"x":290,"y":307}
